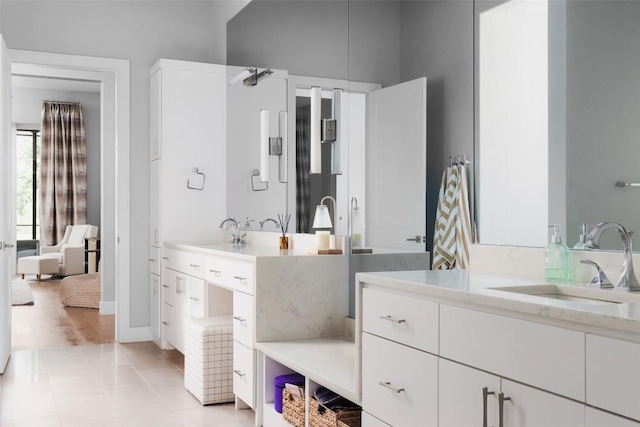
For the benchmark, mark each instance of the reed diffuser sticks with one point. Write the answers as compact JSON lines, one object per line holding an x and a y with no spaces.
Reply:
{"x":283,"y":221}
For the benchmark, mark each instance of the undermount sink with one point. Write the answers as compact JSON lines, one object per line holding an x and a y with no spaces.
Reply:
{"x":576,"y":294}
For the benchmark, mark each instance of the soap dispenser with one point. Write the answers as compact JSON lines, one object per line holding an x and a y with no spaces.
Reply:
{"x":556,"y":258}
{"x":583,"y":238}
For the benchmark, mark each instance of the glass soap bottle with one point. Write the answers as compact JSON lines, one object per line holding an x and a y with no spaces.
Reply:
{"x":556,"y":258}
{"x":357,"y":237}
{"x":583,"y":238}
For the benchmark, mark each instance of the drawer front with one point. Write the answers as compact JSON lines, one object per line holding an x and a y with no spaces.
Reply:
{"x":216,"y":270}
{"x":167,"y":322}
{"x":170,"y":258}
{"x":197,"y":298}
{"x":242,"y":276}
{"x":399,"y":384}
{"x":371,"y":421}
{"x":155,"y":260}
{"x":613,"y":375}
{"x":192,"y":264}
{"x":555,"y":356}
{"x":244,"y":362}
{"x":243,"y":318}
{"x":410,"y":321}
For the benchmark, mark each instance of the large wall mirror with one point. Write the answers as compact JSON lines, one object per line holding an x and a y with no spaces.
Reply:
{"x":365,"y":51}
{"x":558,"y":102}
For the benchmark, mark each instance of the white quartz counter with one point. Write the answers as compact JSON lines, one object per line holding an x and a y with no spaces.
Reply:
{"x":246,"y":252}
{"x":472,"y":288}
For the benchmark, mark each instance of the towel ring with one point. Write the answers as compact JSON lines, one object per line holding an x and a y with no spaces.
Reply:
{"x":196,"y":171}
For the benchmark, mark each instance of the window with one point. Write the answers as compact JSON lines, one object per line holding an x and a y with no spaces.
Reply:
{"x":27,"y":185}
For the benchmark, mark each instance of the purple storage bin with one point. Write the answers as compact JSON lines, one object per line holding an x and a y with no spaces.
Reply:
{"x":278,"y":386}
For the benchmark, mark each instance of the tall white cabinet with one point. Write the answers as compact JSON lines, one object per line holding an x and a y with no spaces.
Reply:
{"x":187,"y":133}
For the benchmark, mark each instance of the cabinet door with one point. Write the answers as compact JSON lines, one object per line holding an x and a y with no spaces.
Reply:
{"x":596,"y":418}
{"x":529,"y":407}
{"x":154,"y":202}
{"x":155,"y":114}
{"x":154,"y":306}
{"x":467,"y":396}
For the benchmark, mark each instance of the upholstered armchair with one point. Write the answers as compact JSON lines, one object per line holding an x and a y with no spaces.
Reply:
{"x":70,"y":251}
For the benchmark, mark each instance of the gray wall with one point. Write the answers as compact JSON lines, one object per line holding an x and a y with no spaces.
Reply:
{"x":141,"y":32}
{"x":437,"y":42}
{"x":27,"y":109}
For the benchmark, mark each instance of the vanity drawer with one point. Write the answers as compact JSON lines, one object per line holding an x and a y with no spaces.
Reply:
{"x":613,"y":375}
{"x":406,"y":320}
{"x":371,"y":421}
{"x":243,"y":318}
{"x":555,"y":357}
{"x":216,"y":270}
{"x":185,"y":262}
{"x":387,"y":366}
{"x":241,"y":276}
{"x":244,"y":362}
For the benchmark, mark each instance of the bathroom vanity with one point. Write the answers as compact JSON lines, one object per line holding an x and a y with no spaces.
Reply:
{"x":508,"y":352}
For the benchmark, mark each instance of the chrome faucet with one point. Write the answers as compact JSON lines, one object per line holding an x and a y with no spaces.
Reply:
{"x":262,"y":223}
{"x":237,"y":240}
{"x":628,"y":281}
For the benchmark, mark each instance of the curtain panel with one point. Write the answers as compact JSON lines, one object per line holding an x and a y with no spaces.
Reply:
{"x":303,"y":166}
{"x":63,"y":170}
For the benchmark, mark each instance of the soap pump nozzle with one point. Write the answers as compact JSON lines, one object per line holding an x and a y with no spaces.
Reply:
{"x":556,"y":238}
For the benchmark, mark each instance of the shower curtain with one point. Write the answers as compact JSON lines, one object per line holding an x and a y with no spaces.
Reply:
{"x":63,"y":170}
{"x":303,"y":159}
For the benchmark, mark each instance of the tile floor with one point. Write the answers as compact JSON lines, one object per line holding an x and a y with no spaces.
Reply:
{"x":105,"y":385}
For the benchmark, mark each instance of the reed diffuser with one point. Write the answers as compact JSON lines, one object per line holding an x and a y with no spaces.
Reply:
{"x":283,"y":221}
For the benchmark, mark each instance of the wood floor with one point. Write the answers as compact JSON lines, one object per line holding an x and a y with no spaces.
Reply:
{"x":48,"y":324}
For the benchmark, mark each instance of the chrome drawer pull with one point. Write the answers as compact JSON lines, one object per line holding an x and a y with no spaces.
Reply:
{"x":152,"y":260}
{"x":485,"y":393}
{"x":195,"y":299}
{"x":388,"y":385}
{"x":240,"y":278}
{"x":215,"y":271}
{"x":501,"y":400}
{"x":165,"y":323}
{"x":194,"y":265}
{"x":164,"y":257}
{"x":165,"y":286}
{"x":239,"y":319}
{"x":239,"y":373}
{"x":391,"y":319}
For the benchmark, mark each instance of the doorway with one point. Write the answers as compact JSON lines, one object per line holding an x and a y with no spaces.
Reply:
{"x":112,"y":76}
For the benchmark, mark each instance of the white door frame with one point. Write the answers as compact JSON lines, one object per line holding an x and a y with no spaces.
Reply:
{"x":114,"y":76}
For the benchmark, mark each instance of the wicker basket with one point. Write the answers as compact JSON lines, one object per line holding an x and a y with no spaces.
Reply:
{"x":321,"y":416}
{"x":292,"y":409}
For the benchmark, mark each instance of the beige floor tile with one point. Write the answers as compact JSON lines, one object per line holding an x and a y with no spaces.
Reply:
{"x":177,"y":397}
{"x":162,"y":377}
{"x":147,"y":416}
{"x":245,"y":417}
{"x":18,"y":407}
{"x":128,"y":395}
{"x":82,"y":408}
{"x":117,"y":375}
{"x":63,"y":385}
{"x":206,"y":416}
{"x":26,"y":383}
{"x":48,"y":421}
{"x":111,"y":422}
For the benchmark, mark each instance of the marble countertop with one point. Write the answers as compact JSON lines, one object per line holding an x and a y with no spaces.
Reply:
{"x":479,"y":289}
{"x":245,"y":252}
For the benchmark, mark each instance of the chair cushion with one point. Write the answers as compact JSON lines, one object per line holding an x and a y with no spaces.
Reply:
{"x":57,"y":255}
{"x":76,"y":238}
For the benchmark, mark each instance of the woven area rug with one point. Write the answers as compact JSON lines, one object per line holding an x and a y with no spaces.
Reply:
{"x":21,"y":293}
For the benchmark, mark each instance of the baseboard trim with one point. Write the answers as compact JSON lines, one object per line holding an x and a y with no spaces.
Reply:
{"x":135,"y":334}
{"x":107,"y":307}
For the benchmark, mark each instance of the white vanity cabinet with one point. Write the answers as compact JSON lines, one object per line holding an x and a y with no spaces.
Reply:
{"x":469,"y":396}
{"x":187,"y":129}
